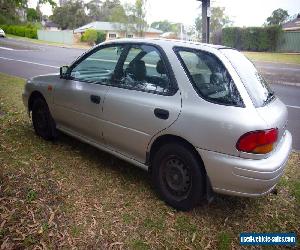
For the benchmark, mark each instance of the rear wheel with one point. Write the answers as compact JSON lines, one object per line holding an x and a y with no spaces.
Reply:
{"x":178,"y":176}
{"x":42,"y":120}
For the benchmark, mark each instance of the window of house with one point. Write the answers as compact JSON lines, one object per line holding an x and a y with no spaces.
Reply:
{"x":112,"y":35}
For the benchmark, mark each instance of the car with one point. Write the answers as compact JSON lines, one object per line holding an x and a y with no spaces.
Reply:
{"x":198,"y":117}
{"x":2,"y":33}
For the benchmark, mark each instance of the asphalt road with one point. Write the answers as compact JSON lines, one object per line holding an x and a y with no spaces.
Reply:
{"x":26,"y":59}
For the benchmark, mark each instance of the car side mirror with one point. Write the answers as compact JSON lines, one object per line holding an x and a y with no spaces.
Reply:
{"x":63,"y":72}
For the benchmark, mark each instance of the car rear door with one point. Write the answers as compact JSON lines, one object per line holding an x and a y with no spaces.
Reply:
{"x":141,"y":103}
{"x":78,"y":101}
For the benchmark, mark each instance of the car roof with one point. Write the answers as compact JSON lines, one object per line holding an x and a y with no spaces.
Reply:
{"x":166,"y":42}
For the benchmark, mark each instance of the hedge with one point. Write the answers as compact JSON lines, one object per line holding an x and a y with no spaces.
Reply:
{"x":251,"y":38}
{"x":20,"y":30}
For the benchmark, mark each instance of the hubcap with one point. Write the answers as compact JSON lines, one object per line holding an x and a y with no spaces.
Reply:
{"x":177,"y":177}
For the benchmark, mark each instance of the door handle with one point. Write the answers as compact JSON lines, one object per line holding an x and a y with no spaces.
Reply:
{"x":161,"y":113}
{"x":95,"y":99}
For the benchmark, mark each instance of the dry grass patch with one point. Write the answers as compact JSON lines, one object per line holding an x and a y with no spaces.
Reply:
{"x":66,"y":194}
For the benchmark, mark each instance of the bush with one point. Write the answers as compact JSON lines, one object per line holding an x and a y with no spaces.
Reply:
{"x":89,"y":36}
{"x":251,"y":38}
{"x":101,"y":37}
{"x":21,"y":30}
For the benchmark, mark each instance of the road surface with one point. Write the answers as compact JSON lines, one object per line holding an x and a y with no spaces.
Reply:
{"x":26,"y":60}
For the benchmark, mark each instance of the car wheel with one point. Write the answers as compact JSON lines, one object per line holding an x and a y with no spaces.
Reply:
{"x":42,"y":120}
{"x":178,"y":176}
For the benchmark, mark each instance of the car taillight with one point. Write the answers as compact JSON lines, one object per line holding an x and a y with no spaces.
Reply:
{"x":258,"y":142}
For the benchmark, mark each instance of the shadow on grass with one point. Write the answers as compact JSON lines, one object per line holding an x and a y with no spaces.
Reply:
{"x":135,"y":175}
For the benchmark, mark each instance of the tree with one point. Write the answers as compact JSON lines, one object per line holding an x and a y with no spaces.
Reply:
{"x":136,"y":17}
{"x":9,"y":9}
{"x":164,"y":26}
{"x":99,"y":10}
{"x":32,"y":15}
{"x":218,"y":20}
{"x":118,"y":15}
{"x":94,"y":10}
{"x":70,"y":16}
{"x":278,"y":17}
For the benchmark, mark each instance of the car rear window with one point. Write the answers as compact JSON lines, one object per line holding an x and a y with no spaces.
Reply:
{"x":256,"y":86}
{"x":209,"y":77}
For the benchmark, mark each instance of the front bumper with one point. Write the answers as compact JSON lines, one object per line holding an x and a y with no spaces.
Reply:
{"x":246,"y":177}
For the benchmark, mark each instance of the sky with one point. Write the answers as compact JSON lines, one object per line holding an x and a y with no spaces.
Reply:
{"x":241,"y":12}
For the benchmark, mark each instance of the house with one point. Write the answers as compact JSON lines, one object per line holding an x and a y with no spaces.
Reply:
{"x":49,"y":25}
{"x":118,"y":30}
{"x":293,"y":24}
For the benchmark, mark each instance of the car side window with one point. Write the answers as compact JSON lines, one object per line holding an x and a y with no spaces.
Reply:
{"x":209,"y":77}
{"x":98,"y":67}
{"x":144,"y":69}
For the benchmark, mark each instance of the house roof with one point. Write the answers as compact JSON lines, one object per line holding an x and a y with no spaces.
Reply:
{"x":108,"y":26}
{"x":293,"y":24}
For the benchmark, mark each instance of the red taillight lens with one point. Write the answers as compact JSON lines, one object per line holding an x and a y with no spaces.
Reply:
{"x":258,"y":142}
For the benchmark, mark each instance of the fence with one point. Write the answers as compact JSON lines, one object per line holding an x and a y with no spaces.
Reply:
{"x":60,"y":36}
{"x":289,"y":42}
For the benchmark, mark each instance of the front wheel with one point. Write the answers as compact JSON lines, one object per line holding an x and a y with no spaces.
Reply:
{"x":178,"y":176}
{"x":42,"y":120}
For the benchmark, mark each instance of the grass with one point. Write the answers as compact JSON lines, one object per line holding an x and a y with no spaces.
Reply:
{"x":66,"y":194}
{"x":80,"y":46}
{"x":273,"y":57}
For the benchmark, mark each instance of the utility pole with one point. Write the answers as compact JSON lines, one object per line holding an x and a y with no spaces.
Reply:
{"x":206,"y":13}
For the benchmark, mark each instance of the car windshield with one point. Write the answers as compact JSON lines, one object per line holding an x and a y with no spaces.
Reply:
{"x":256,"y":86}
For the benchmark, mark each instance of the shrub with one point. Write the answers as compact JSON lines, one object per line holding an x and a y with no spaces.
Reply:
{"x":21,"y":30}
{"x":89,"y":36}
{"x":101,"y":37}
{"x":251,"y":38}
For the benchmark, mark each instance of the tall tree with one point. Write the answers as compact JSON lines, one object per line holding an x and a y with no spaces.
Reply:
{"x":218,"y":20}
{"x":164,"y":26}
{"x":71,"y":15}
{"x":32,"y":15}
{"x":136,"y":14}
{"x":278,"y":17}
{"x":94,"y":10}
{"x":9,"y":9}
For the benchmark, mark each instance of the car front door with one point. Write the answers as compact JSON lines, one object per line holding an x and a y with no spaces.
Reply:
{"x":142,"y":101}
{"x":78,"y":100}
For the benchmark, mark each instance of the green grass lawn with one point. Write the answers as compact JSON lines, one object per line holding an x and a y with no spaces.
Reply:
{"x":80,"y":46}
{"x":273,"y":57}
{"x":66,"y":194}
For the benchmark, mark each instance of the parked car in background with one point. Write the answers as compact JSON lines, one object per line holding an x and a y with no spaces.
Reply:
{"x":199,"y":117}
{"x":2,"y":33}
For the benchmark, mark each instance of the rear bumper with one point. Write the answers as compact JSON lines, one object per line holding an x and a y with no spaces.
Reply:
{"x":246,"y":177}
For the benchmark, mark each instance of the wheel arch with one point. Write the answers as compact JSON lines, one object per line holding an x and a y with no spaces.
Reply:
{"x":33,"y":96}
{"x":168,"y":138}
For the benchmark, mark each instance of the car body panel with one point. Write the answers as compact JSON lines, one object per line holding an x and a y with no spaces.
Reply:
{"x":130,"y":122}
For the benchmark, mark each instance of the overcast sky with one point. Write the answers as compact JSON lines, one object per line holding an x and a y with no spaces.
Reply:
{"x":242,"y":12}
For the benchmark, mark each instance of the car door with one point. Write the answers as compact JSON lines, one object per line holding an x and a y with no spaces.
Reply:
{"x":141,"y":103}
{"x":78,"y":100}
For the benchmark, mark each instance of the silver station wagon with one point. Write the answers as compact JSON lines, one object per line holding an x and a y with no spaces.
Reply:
{"x":198,"y":117}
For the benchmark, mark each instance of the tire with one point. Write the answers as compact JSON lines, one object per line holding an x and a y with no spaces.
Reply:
{"x":42,"y":121}
{"x":178,"y":176}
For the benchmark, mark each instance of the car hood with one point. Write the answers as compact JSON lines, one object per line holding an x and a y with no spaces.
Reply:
{"x":44,"y":79}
